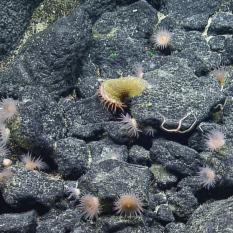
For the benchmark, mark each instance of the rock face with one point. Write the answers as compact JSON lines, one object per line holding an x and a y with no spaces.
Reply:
{"x":71,"y":156}
{"x":13,"y":24}
{"x":32,"y":188}
{"x":51,"y":57}
{"x":215,"y":217}
{"x":56,"y":79}
{"x":120,"y":41}
{"x":21,"y":223}
{"x":190,"y":97}
{"x":111,"y":178}
{"x":192,"y":14}
{"x":175,"y":157}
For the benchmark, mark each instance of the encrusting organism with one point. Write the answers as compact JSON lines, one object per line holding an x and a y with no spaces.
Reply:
{"x":90,"y":206}
{"x":215,"y":140}
{"x":128,"y":205}
{"x":162,"y":38}
{"x":114,"y":92}
{"x":31,"y":163}
{"x":130,"y":125}
{"x":207,"y":177}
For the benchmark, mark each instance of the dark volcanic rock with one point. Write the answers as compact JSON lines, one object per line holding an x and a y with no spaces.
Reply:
{"x":190,"y":97}
{"x":50,"y":58}
{"x":15,"y":16}
{"x":139,"y":155}
{"x":96,"y":8}
{"x":215,"y":217}
{"x":71,"y":157}
{"x":86,"y":118}
{"x":217,"y":43}
{"x":120,"y":40}
{"x":111,"y":178}
{"x":175,"y":157}
{"x":222,"y":23}
{"x":190,"y":14}
{"x":60,"y":223}
{"x":152,"y":229}
{"x":106,"y":149}
{"x":164,"y":214}
{"x":183,"y":203}
{"x":39,"y":123}
{"x":228,"y":54}
{"x":30,"y":188}
{"x":175,"y":228}
{"x":163,"y":178}
{"x":18,"y":223}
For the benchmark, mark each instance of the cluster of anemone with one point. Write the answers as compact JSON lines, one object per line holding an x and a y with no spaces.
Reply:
{"x":90,"y":206}
{"x":33,"y":163}
{"x":214,"y":141}
{"x":8,"y":111}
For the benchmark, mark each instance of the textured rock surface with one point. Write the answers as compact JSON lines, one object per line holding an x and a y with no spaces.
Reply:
{"x":120,"y":41}
{"x":13,"y":24}
{"x":71,"y":157}
{"x":50,"y":59}
{"x":55,"y":77}
{"x":214,"y":217}
{"x":111,"y":178}
{"x":18,"y":223}
{"x":190,"y":14}
{"x":31,"y":188}
{"x":175,"y":157}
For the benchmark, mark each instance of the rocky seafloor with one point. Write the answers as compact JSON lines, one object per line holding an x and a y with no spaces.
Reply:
{"x":54,"y":75}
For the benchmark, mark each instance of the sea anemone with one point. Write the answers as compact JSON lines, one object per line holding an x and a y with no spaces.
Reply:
{"x":4,"y":152}
{"x":8,"y":109}
{"x":215,"y":140}
{"x":4,"y":134}
{"x":128,"y":205}
{"x":149,"y":131}
{"x":74,"y":193}
{"x":5,"y":175}
{"x":90,"y":206}
{"x":162,"y":38}
{"x":207,"y":177}
{"x":139,"y":71}
{"x":31,"y":163}
{"x":220,"y":75}
{"x":130,"y":125}
{"x":113,"y":92}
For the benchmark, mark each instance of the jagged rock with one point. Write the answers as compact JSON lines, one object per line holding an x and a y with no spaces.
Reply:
{"x":31,"y":188}
{"x":213,"y":217}
{"x":50,"y":58}
{"x":12,"y":24}
{"x":175,"y":157}
{"x":71,"y":157}
{"x":222,"y":23}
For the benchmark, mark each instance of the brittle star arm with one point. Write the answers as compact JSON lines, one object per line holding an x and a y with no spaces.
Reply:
{"x":177,"y":129}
